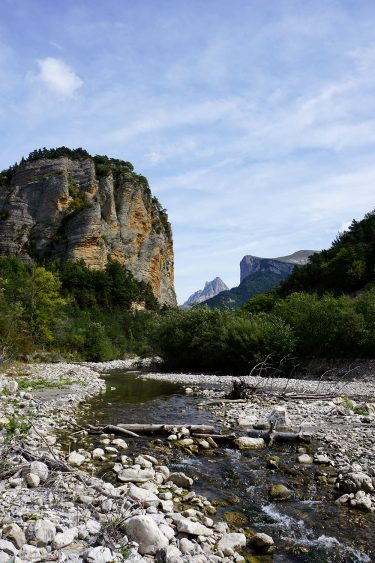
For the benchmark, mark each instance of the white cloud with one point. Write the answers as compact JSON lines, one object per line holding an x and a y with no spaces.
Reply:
{"x":58,"y":76}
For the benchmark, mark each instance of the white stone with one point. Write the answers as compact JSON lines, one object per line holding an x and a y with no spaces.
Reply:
{"x":98,"y":453}
{"x":29,"y":553}
{"x":144,"y":530}
{"x":231,"y":542}
{"x":142,"y":462}
{"x":305,"y":458}
{"x":99,"y":554}
{"x":62,"y":539}
{"x":120,"y":443}
{"x":15,"y":534}
{"x":169,"y":554}
{"x":8,"y":547}
{"x":186,"y":546}
{"x":181,"y":480}
{"x":189,"y":527}
{"x":245,"y":442}
{"x":32,"y":480}
{"x":135,"y":474}
{"x":39,"y":468}
{"x":93,"y":527}
{"x":75,"y":459}
{"x":41,"y":532}
{"x":143,"y":496}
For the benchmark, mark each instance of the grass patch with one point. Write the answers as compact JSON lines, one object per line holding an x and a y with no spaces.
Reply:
{"x":25,"y":384}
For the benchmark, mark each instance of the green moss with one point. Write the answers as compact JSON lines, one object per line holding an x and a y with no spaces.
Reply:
{"x":77,"y":198}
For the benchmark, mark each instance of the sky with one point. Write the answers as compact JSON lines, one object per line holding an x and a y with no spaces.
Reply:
{"x":253,"y":121}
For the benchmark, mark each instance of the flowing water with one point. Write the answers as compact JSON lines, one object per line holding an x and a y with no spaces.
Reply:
{"x":310,"y":528}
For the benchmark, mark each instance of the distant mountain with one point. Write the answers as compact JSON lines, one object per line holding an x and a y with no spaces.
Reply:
{"x":257,"y":276}
{"x":211,"y":289}
{"x":284,"y":265}
{"x":259,"y":282}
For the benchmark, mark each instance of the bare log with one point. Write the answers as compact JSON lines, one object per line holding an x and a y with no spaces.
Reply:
{"x":219,"y":438}
{"x":272,"y":436}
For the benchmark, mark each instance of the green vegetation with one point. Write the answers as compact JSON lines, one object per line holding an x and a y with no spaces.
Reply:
{"x":35,"y":383}
{"x":257,"y":283}
{"x":71,"y":310}
{"x":346,"y":267}
{"x":77,"y":198}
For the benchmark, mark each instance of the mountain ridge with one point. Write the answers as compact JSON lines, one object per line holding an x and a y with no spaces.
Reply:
{"x":211,"y":289}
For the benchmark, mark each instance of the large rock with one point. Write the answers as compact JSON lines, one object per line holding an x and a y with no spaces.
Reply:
{"x":181,"y":480}
{"x":187,"y":526}
{"x":135,"y":474}
{"x":65,"y":538}
{"x":72,"y":209}
{"x":39,"y":468}
{"x":245,"y":442}
{"x":145,"y":531}
{"x":144,"y":497}
{"x":356,"y":481}
{"x":15,"y":534}
{"x":169,"y":554}
{"x":231,"y":542}
{"x":41,"y":532}
{"x":99,"y":554}
{"x":279,"y":492}
{"x":75,"y":459}
{"x":261,"y":542}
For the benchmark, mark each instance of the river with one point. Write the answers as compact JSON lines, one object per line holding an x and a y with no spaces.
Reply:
{"x":309,"y":528}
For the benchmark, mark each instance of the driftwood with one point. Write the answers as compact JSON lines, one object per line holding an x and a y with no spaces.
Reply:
{"x":111,"y":429}
{"x":219,"y":438}
{"x":272,"y":436}
{"x":165,"y":428}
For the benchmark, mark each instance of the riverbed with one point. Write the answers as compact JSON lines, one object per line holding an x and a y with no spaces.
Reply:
{"x":310,"y":527}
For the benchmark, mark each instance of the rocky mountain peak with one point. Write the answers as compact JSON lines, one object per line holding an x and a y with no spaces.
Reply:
{"x":211,"y":289}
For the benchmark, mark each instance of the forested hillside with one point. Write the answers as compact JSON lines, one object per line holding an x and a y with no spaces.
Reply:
{"x":346,"y":267}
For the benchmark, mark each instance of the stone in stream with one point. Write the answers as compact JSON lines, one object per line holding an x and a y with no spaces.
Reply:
{"x":279,"y":492}
{"x":261,"y":542}
{"x":75,"y":459}
{"x":144,"y":530}
{"x":245,"y":442}
{"x":362,"y":501}
{"x":98,"y":453}
{"x":353,"y":482}
{"x":305,"y":458}
{"x":181,"y":480}
{"x":135,"y":474}
{"x":231,"y":542}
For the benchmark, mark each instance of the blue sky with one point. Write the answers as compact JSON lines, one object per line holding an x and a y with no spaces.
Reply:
{"x":254,"y":121}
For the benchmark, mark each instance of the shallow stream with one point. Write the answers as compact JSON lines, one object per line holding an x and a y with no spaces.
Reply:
{"x":309,"y":528}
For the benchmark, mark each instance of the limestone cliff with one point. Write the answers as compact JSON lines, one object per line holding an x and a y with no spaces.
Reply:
{"x":94,"y":209}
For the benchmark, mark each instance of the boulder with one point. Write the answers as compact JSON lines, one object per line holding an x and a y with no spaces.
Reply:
{"x":231,"y":542}
{"x":29,"y":553}
{"x":32,"y":480}
{"x":353,"y":482}
{"x":261,"y":542}
{"x":187,"y":526}
{"x":362,"y":501}
{"x":98,"y":453}
{"x":15,"y":534}
{"x":39,"y":468}
{"x":181,"y":480}
{"x":245,"y":442}
{"x":41,"y":532}
{"x":169,"y":554}
{"x":75,"y":459}
{"x":8,"y":547}
{"x":305,"y":458}
{"x":279,"y":492}
{"x":135,"y":474}
{"x":120,"y":443}
{"x":143,"y":496}
{"x":99,"y":554}
{"x":62,"y":539}
{"x":145,"y":531}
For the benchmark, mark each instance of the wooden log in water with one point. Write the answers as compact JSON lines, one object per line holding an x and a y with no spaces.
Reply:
{"x":274,"y":436}
{"x":219,"y":438}
{"x":166,"y":428}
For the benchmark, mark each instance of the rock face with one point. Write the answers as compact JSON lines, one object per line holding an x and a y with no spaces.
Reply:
{"x":284,"y":265}
{"x":74,"y":209}
{"x":211,"y":289}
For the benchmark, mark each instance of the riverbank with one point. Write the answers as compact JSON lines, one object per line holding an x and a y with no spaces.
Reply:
{"x":52,"y":508}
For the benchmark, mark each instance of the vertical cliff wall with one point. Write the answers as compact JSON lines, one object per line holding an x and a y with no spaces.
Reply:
{"x":94,"y":209}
